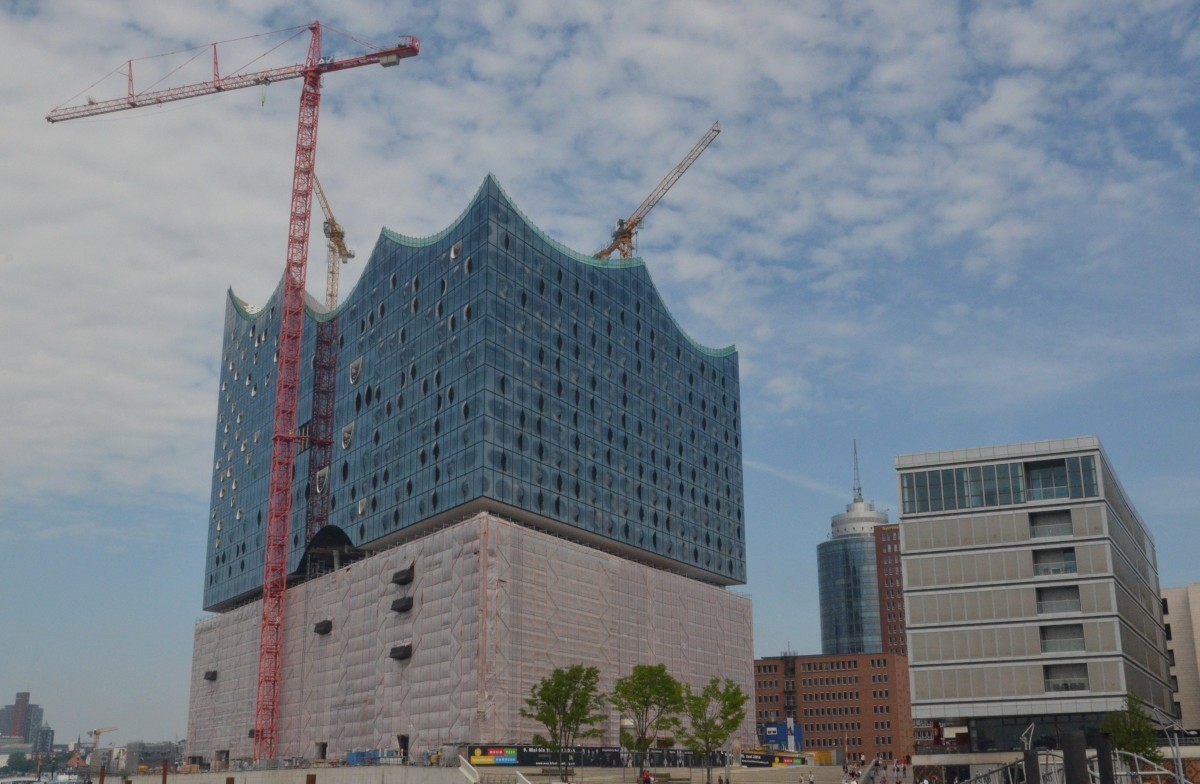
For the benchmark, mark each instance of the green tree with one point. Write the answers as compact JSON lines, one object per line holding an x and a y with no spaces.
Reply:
{"x":1132,"y":731}
{"x":566,"y":702}
{"x":652,"y":701}
{"x":18,"y":762}
{"x":713,"y":714}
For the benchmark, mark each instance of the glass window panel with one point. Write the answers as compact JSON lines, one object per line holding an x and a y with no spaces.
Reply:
{"x":1060,"y":480}
{"x":989,"y":485}
{"x":1003,"y":488}
{"x":935,"y":491}
{"x":922,"y":492}
{"x":1074,"y":478}
{"x":948,"y":489}
{"x":1088,"y":467}
{"x":960,"y":486}
{"x":1016,"y":473}
{"x":976,"y":487}
{"x":907,"y":482}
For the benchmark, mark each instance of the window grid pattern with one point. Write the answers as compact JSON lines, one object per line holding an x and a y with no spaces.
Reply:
{"x":999,"y":484}
{"x":489,"y":363}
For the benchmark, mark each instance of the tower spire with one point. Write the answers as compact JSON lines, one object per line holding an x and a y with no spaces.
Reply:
{"x":858,"y":496}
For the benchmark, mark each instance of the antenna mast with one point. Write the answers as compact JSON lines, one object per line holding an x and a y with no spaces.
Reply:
{"x":858,"y":496}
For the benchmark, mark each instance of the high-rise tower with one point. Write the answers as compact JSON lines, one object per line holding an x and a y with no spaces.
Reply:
{"x":848,"y":578}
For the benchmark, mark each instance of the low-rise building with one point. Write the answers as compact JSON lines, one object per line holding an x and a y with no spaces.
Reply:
{"x":852,"y":707}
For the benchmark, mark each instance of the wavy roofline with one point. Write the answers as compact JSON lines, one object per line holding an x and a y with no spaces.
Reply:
{"x":574,"y":255}
{"x":312,"y":306}
{"x":318,"y":312}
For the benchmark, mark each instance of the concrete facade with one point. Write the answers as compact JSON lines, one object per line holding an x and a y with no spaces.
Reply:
{"x":1181,"y":617}
{"x":1031,"y":592}
{"x":448,"y":658}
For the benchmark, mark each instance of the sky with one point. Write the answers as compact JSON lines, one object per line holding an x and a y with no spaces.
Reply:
{"x":925,"y":225}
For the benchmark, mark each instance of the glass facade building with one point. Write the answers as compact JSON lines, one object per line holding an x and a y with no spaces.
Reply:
{"x":848,"y":581}
{"x":489,"y":368}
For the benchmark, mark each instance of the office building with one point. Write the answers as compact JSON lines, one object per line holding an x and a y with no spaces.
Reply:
{"x":1032,"y":593}
{"x":848,"y":580}
{"x":22,"y":719}
{"x":850,"y":708}
{"x":891,"y":588}
{"x":1181,"y":619}
{"x":533,"y":466}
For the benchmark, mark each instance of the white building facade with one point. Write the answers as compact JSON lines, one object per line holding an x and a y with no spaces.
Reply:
{"x":1031,"y":593}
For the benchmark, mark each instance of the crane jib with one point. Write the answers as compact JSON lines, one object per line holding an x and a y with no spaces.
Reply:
{"x":409,"y":46}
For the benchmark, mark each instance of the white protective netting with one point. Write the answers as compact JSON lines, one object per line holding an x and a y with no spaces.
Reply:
{"x":496,"y":607}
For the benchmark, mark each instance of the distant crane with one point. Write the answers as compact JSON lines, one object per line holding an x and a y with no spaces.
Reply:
{"x":291,"y":325}
{"x":324,"y":375}
{"x":95,"y":736}
{"x":335,"y":243}
{"x":625,"y":230}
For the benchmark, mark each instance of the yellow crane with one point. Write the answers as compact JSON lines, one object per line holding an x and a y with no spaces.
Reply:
{"x":335,"y":243}
{"x":625,"y":230}
{"x":95,"y":736}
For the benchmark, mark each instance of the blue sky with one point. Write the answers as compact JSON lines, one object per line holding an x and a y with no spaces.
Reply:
{"x":925,"y":225}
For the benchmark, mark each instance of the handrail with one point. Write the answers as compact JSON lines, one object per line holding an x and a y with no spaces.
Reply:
{"x":1140,"y":770}
{"x":468,"y":770}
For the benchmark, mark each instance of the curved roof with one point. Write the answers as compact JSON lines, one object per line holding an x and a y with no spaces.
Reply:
{"x":317,"y":311}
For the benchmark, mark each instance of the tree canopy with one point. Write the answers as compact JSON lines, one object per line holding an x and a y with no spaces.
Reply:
{"x":566,"y":702}
{"x":651,"y":700}
{"x":1132,"y":730}
{"x":714,"y":714}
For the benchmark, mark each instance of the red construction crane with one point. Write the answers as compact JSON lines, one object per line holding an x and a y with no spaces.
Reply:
{"x":625,"y":230}
{"x":291,"y":323}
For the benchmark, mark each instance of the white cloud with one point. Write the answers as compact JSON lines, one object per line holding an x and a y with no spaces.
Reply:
{"x":944,"y":221}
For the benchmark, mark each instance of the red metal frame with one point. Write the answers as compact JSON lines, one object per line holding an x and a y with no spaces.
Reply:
{"x":321,"y":428}
{"x":287,"y":394}
{"x":287,"y":372}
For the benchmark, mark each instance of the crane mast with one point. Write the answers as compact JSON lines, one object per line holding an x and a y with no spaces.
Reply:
{"x":324,"y":375}
{"x":625,"y":230}
{"x":291,"y":323}
{"x":335,"y":243}
{"x":94,"y":759}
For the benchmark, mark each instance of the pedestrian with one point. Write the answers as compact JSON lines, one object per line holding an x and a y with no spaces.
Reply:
{"x":810,"y":777}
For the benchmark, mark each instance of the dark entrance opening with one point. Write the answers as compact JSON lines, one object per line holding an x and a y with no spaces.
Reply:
{"x":402,"y":740}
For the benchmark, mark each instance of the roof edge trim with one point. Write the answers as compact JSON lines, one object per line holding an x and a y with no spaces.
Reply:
{"x":592,"y":261}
